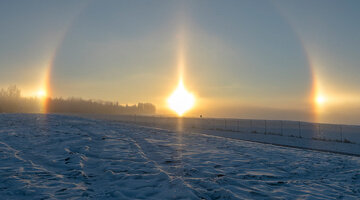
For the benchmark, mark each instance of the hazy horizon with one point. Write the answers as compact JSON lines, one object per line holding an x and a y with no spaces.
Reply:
{"x":241,"y":59}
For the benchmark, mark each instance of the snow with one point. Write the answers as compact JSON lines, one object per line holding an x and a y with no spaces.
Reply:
{"x":337,"y":138}
{"x":57,"y":156}
{"x":304,"y":143}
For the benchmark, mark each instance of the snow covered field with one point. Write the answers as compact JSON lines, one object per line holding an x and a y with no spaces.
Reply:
{"x":337,"y":138}
{"x":55,"y":156}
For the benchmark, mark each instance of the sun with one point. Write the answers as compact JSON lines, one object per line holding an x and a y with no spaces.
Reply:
{"x":320,"y":99}
{"x":41,"y":93}
{"x":181,"y":100}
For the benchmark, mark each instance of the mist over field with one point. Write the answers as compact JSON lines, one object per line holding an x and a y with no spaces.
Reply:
{"x":11,"y":101}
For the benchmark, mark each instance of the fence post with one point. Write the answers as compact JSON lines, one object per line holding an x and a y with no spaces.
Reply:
{"x":299,"y":129}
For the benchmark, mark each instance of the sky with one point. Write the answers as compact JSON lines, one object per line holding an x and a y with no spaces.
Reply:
{"x":290,"y":60}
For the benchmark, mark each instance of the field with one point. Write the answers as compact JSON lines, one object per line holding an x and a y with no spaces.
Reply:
{"x":57,"y":156}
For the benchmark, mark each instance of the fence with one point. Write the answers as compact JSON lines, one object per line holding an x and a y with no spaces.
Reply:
{"x":315,"y":131}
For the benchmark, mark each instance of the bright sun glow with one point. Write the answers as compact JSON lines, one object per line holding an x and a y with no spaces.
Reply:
{"x":320,"y":99}
{"x":181,"y":100}
{"x":41,"y":93}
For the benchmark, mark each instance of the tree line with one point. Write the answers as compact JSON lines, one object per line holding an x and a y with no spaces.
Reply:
{"x":11,"y":101}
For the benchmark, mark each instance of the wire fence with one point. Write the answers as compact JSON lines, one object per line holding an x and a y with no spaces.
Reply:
{"x":298,"y":129}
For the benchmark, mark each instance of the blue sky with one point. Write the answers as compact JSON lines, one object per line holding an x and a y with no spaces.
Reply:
{"x":255,"y":59}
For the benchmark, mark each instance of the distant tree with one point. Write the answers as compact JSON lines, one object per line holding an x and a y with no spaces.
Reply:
{"x":11,"y":101}
{"x":13,"y":91}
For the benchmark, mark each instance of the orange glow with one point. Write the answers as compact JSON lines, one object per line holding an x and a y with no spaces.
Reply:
{"x":319,"y":98}
{"x":45,"y":92}
{"x":316,"y":98}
